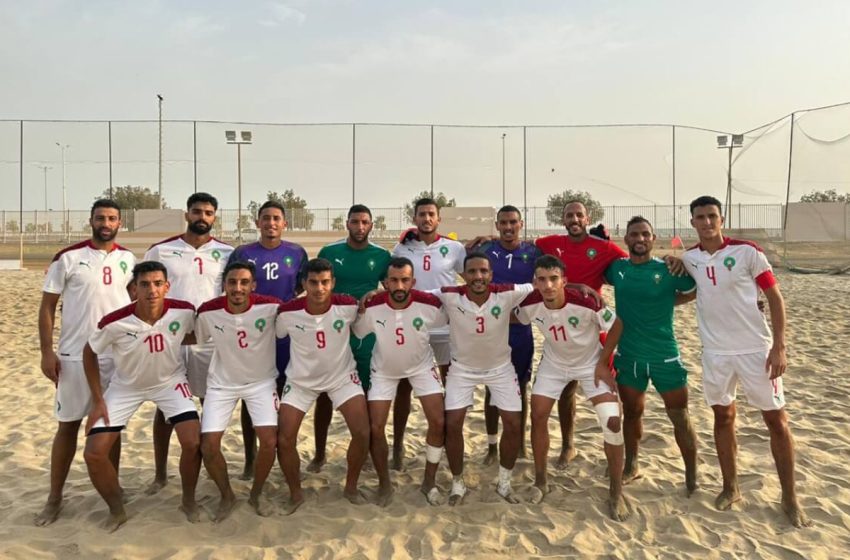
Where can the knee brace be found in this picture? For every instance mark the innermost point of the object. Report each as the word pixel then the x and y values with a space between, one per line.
pixel 606 411
pixel 433 454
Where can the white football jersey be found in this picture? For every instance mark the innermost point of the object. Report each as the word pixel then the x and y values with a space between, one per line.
pixel 435 265
pixel 571 333
pixel 479 335
pixel 92 283
pixel 244 343
pixel 401 345
pixel 146 356
pixel 728 283
pixel 194 274
pixel 319 353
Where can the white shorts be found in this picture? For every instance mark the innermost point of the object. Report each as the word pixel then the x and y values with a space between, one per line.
pixel 260 397
pixel 303 398
pixel 551 380
pixel 197 358
pixel 425 382
pixel 73 397
pixel 173 399
pixel 440 346
pixel 502 382
pixel 720 374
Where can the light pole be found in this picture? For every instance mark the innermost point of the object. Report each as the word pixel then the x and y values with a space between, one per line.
pixel 723 143
pixel 503 168
pixel 45 168
pixel 159 161
pixel 62 148
pixel 245 138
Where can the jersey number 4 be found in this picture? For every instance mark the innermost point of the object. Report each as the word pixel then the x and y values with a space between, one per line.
pixel 712 275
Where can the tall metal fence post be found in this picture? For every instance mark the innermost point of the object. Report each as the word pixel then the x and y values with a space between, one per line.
pixel 353 162
pixel 674 180
pixel 195 155
pixel 524 181
pixel 109 127
pixel 432 161
pixel 21 199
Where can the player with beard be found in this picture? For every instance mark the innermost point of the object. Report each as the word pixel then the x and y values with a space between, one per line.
pixel 194 261
pixel 92 278
pixel 358 267
pixel 645 294
pixel 401 317
pixel 279 270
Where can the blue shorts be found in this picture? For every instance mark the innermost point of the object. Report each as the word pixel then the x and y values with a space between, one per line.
pixel 522 351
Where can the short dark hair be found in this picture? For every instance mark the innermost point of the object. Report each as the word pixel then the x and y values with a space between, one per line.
pixel 400 262
pixel 705 200
pixel 240 265
pixel 509 208
pixel 318 265
pixel 549 262
pixel 104 203
pixel 202 197
pixel 639 220
pixel 145 267
pixel 359 209
pixel 475 255
pixel 425 202
pixel 271 204
pixel 574 201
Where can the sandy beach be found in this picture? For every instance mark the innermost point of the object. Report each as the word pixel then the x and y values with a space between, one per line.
pixel 571 522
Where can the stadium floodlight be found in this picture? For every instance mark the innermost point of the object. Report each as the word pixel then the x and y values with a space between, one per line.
pixel 722 140
pixel 65 228
pixel 737 140
pixel 503 168
pixel 724 143
pixel 246 138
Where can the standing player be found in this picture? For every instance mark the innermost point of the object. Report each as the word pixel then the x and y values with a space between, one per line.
pixel 92 277
pixel 401 317
pixel 645 293
pixel 512 261
pixel 240 325
pixel 320 362
pixel 146 338
pixel 479 313
pixel 279 266
pixel 194 261
pixel 570 324
pixel 737 346
pixel 436 262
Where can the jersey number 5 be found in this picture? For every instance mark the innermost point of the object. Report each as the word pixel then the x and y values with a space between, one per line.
pixel 399 336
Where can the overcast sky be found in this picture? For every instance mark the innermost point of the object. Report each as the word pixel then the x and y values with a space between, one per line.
pixel 722 65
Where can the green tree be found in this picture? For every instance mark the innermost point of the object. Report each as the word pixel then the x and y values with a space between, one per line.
pixel 830 195
pixel 338 223
pixel 556 202
pixel 380 223
pixel 440 198
pixel 135 198
pixel 297 215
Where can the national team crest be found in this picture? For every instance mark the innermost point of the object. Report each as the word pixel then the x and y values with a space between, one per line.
pixel 591 253
pixel 657 278
pixel 174 326
pixel 287 260
pixel 216 254
pixel 260 324
pixel 496 311
pixel 338 324
pixel 123 266
pixel 524 257
pixel 606 316
pixel 417 323
pixel 574 321
pixel 371 264
pixel 729 262
pixel 444 250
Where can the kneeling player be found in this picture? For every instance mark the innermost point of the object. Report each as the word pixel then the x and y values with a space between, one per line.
pixel 241 327
pixel 320 362
pixel 145 339
pixel 570 324
pixel 401 318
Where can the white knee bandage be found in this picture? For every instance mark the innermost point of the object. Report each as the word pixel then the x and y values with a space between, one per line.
pixel 606 411
pixel 433 454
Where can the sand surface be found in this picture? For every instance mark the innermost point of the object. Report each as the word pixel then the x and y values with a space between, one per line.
pixel 572 522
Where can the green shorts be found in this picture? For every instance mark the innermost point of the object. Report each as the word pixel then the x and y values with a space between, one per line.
pixel 666 375
pixel 362 350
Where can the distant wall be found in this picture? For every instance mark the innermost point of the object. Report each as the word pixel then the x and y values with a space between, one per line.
pixel 159 221
pixel 818 221
pixel 467 222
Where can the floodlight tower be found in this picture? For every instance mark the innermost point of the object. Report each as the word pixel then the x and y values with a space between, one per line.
pixel 723 143
pixel 245 138
pixel 503 168
pixel 62 148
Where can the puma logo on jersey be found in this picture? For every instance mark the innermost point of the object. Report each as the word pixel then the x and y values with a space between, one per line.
pixel 495 253
pixel 178 253
pixel 134 335
pixel 84 263
pixel 218 328
pixel 558 249
pixel 539 320
pixel 461 309
pixel 339 261
pixel 622 276
pixel 382 323
pixel 300 328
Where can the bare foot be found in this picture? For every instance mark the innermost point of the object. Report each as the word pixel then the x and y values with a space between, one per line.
pixel 506 492
pixel 316 465
pixel 49 514
pixel 726 498
pixel 492 455
pixel 114 521
pixel 795 514
pixel 397 463
pixel 566 456
pixel 292 504
pixel 691 481
pixel 618 509
pixel 631 473
pixel 537 493
pixel 458 493
pixel 193 514
pixel 225 507
pixel 247 472
pixel 261 507
pixel 385 495
pixel 357 498
pixel 155 486
pixel 432 495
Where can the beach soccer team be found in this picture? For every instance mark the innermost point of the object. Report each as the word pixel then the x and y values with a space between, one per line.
pixel 360 329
